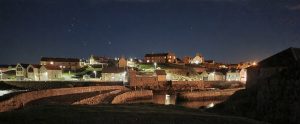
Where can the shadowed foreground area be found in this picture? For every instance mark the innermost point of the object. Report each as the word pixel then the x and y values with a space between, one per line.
pixel 275 99
pixel 116 114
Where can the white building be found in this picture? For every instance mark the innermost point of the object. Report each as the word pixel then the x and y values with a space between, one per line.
pixel 216 76
pixel 233 75
pixel 114 74
pixel 243 75
pixel 50 73
pixel 198 59
pixel 21 71
pixel 204 76
pixel 33 72
pixel 131 62
pixel 98 60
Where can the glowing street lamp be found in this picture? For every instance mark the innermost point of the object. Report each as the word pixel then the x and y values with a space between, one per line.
pixel 254 63
pixel 1 74
pixel 95 74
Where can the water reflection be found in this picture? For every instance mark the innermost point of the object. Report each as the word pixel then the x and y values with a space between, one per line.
pixel 4 92
pixel 199 104
pixel 166 99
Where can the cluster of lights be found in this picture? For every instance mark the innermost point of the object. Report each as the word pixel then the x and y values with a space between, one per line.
pixel 62 66
pixel 254 63
pixel 211 105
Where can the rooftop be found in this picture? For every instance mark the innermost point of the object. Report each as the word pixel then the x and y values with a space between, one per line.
pixel 113 70
pixel 285 58
pixel 52 67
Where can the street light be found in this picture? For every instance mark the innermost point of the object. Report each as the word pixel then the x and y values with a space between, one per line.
pixel 1 74
pixel 95 74
pixel 155 64
pixel 254 63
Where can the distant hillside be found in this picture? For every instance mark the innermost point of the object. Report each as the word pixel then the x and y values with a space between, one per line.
pixel 274 99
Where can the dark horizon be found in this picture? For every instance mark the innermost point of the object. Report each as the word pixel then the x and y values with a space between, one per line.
pixel 228 31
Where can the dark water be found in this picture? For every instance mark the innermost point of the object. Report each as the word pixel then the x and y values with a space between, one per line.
pixel 166 99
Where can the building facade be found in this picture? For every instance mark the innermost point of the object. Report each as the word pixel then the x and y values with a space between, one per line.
pixel 160 58
pixel 161 75
pixel 21 71
pixel 49 72
pixel 144 80
pixel 216 76
pixel 187 60
pixel 198 59
pixel 33 72
pixel 114 74
pixel 122 63
pixel 70 64
pixel 233 75
pixel 98 60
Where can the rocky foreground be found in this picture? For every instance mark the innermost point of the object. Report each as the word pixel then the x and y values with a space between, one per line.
pixel 117 114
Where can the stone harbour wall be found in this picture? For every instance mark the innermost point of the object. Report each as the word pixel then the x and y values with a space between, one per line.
pixel 132 95
pixel 184 85
pixel 203 95
pixel 21 100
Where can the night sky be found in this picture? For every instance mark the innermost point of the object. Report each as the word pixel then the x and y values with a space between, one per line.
pixel 223 30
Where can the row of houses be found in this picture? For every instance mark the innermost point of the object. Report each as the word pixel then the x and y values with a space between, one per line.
pixel 117 72
pixel 171 58
pixel 123 74
pixel 225 75
pixel 38 72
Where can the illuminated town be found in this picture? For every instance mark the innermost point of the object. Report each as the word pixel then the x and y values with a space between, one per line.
pixel 110 69
pixel 149 61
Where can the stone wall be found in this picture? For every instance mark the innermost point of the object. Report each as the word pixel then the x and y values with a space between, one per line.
pixel 132 95
pixel 38 85
pixel 99 99
pixel 142 81
pixel 22 99
pixel 183 85
pixel 204 95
